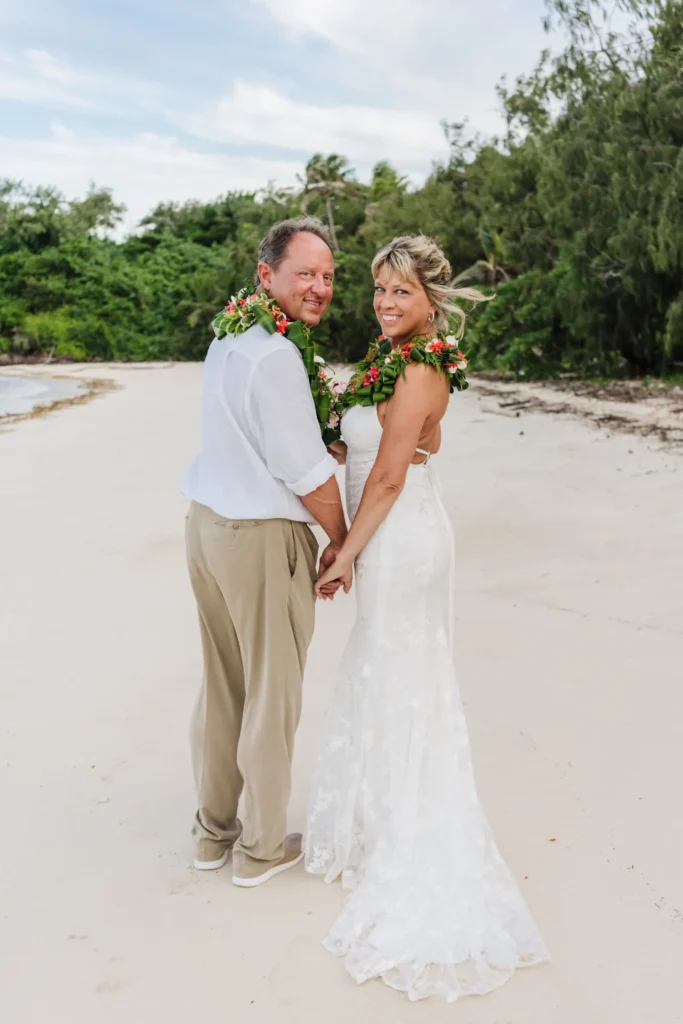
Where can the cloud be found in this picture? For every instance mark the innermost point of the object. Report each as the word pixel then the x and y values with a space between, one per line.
pixel 254 114
pixel 50 81
pixel 360 26
pixel 437 56
pixel 60 131
pixel 438 36
pixel 37 77
pixel 392 47
pixel 142 169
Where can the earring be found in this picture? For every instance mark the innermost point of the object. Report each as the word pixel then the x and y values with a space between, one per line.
pixel 430 318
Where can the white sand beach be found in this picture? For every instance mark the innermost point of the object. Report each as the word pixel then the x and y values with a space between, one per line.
pixel 570 656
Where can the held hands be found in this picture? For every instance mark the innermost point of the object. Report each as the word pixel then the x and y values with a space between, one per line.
pixel 332 574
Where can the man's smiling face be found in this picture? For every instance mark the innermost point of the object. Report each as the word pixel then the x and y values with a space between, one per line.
pixel 303 283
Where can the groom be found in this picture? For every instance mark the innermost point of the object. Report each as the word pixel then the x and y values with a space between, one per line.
pixel 262 475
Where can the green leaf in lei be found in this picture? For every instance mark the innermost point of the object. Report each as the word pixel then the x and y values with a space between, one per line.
pixel 374 379
pixel 246 309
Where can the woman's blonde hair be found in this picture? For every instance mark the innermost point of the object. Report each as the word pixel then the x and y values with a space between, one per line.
pixel 418 258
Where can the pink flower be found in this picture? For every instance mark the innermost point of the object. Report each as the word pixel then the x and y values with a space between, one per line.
pixel 339 386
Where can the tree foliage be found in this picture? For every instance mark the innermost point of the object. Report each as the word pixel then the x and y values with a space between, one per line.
pixel 574 217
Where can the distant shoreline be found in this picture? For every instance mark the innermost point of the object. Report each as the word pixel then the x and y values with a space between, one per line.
pixel 36 394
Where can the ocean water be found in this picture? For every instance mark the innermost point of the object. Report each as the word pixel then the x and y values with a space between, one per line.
pixel 23 394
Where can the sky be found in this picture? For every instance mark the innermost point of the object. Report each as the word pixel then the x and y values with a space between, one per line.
pixel 187 99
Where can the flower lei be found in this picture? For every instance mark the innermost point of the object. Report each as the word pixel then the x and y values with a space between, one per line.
pixel 246 309
pixel 375 377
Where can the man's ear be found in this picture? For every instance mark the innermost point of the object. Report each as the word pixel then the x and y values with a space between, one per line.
pixel 265 275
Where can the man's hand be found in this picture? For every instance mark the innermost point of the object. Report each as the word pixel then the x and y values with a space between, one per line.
pixel 330 588
pixel 338 450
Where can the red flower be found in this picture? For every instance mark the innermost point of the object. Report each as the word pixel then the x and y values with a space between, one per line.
pixel 243 302
pixel 437 346
pixel 371 377
pixel 281 321
pixel 230 308
pixel 406 350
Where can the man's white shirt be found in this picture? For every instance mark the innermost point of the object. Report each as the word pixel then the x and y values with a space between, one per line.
pixel 261 445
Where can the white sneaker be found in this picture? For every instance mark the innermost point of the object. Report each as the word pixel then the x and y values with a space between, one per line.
pixel 293 854
pixel 212 865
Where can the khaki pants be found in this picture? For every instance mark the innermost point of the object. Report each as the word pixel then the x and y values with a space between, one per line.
pixel 253 582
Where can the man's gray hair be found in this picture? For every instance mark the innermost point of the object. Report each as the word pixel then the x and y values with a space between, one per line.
pixel 273 247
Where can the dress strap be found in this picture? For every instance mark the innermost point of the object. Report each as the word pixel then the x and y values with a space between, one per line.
pixel 422 451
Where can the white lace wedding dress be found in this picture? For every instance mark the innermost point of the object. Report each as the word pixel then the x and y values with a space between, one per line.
pixel 394 810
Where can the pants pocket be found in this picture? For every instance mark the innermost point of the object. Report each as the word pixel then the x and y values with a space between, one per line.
pixel 292 549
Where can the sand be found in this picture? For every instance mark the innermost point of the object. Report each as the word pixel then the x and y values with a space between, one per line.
pixel 647 408
pixel 570 655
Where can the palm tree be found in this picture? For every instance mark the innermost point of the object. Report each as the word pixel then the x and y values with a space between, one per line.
pixel 327 176
pixel 489 270
pixel 386 182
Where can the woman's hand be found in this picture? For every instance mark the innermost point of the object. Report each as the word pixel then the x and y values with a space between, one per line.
pixel 338 450
pixel 340 573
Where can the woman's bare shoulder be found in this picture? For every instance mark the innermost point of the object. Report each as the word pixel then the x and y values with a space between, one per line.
pixel 422 383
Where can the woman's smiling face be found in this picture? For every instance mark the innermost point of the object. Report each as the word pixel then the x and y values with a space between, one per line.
pixel 402 307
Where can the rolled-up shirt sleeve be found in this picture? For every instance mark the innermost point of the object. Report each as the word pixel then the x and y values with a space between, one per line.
pixel 285 423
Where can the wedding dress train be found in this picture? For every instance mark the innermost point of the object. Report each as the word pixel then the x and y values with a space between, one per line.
pixel 394 810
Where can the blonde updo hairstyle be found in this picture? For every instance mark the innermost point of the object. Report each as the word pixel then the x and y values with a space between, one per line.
pixel 419 259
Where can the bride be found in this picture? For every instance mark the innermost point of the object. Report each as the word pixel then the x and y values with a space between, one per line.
pixel 433 909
